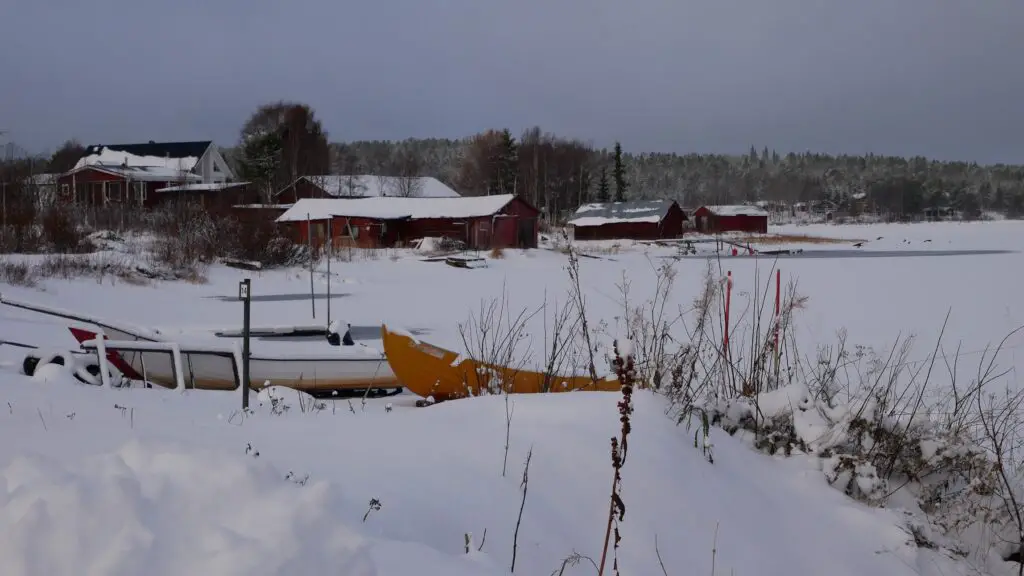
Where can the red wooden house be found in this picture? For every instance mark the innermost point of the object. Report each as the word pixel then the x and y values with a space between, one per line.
pixel 634 220
pixel 503 221
pixel 145 174
pixel 715 219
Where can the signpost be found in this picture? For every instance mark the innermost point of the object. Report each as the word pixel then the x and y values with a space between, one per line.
pixel 244 296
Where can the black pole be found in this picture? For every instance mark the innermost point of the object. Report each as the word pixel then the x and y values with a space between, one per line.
pixel 243 293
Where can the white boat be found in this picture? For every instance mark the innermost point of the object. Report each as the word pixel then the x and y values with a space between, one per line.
pixel 153 357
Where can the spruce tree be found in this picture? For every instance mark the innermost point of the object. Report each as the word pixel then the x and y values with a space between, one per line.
pixel 505 165
pixel 602 186
pixel 619 175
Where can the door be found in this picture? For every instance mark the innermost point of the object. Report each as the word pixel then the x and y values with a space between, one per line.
pixel 527 233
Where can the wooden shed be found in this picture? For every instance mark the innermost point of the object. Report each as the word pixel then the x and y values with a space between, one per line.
pixel 482 222
pixel 715 219
pixel 634 220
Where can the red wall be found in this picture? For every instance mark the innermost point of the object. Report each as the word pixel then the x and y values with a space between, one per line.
pixel 616 230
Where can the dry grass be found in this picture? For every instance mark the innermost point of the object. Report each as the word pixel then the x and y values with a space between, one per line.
pixel 68 267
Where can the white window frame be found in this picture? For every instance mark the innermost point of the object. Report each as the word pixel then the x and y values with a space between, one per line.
pixel 139 191
pixel 107 192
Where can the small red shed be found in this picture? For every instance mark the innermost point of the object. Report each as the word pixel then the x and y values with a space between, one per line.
pixel 715 219
pixel 634 220
pixel 501 221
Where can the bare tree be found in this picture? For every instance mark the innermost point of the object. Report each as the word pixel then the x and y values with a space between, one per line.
pixel 405 186
pixel 352 185
pixel 406 171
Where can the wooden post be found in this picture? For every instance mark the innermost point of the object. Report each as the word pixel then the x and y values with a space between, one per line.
pixel 728 299
pixel 244 296
pixel 330 252
pixel 309 242
pixel 778 315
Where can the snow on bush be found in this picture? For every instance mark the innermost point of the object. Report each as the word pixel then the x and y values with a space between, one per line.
pixel 881 431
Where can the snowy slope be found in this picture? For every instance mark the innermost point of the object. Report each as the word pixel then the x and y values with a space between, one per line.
pixel 106 482
pixel 166 486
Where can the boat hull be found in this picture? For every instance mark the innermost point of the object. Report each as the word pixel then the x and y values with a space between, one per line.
pixel 215 368
pixel 430 371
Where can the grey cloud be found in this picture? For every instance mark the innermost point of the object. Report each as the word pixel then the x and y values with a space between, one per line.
pixel 935 77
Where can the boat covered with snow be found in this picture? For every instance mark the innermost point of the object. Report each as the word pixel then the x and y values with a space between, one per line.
pixel 167 360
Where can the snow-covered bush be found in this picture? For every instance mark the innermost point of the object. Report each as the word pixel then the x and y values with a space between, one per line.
pixel 882 429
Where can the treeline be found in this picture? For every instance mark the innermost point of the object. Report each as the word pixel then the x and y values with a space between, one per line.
pixel 284 140
pixel 560 173
pixel 557 173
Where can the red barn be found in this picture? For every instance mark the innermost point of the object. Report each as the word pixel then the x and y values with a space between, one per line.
pixel 635 220
pixel 502 221
pixel 715 219
pixel 131 174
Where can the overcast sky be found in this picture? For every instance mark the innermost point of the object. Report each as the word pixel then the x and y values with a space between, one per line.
pixel 941 78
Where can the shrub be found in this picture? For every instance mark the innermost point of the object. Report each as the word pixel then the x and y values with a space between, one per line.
pixel 60 231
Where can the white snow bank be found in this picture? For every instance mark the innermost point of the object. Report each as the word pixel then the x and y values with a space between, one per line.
pixel 187 493
pixel 161 509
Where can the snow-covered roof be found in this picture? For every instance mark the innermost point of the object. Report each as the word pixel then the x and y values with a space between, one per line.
pixel 390 208
pixel 167 155
pixel 143 173
pixel 737 210
pixel 596 214
pixel 202 187
pixel 367 186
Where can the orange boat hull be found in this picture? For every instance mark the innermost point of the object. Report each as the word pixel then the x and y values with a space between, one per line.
pixel 429 371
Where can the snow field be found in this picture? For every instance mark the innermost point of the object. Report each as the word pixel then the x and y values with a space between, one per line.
pixel 176 488
pixel 437 471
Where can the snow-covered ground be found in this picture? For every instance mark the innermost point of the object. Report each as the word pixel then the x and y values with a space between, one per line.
pixel 130 481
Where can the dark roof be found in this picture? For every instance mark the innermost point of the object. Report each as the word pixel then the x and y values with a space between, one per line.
pixel 596 214
pixel 164 149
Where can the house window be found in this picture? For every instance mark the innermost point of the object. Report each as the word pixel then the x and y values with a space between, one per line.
pixel 139 189
pixel 65 192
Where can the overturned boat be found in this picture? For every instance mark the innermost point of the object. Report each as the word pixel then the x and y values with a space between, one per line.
pixel 433 372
